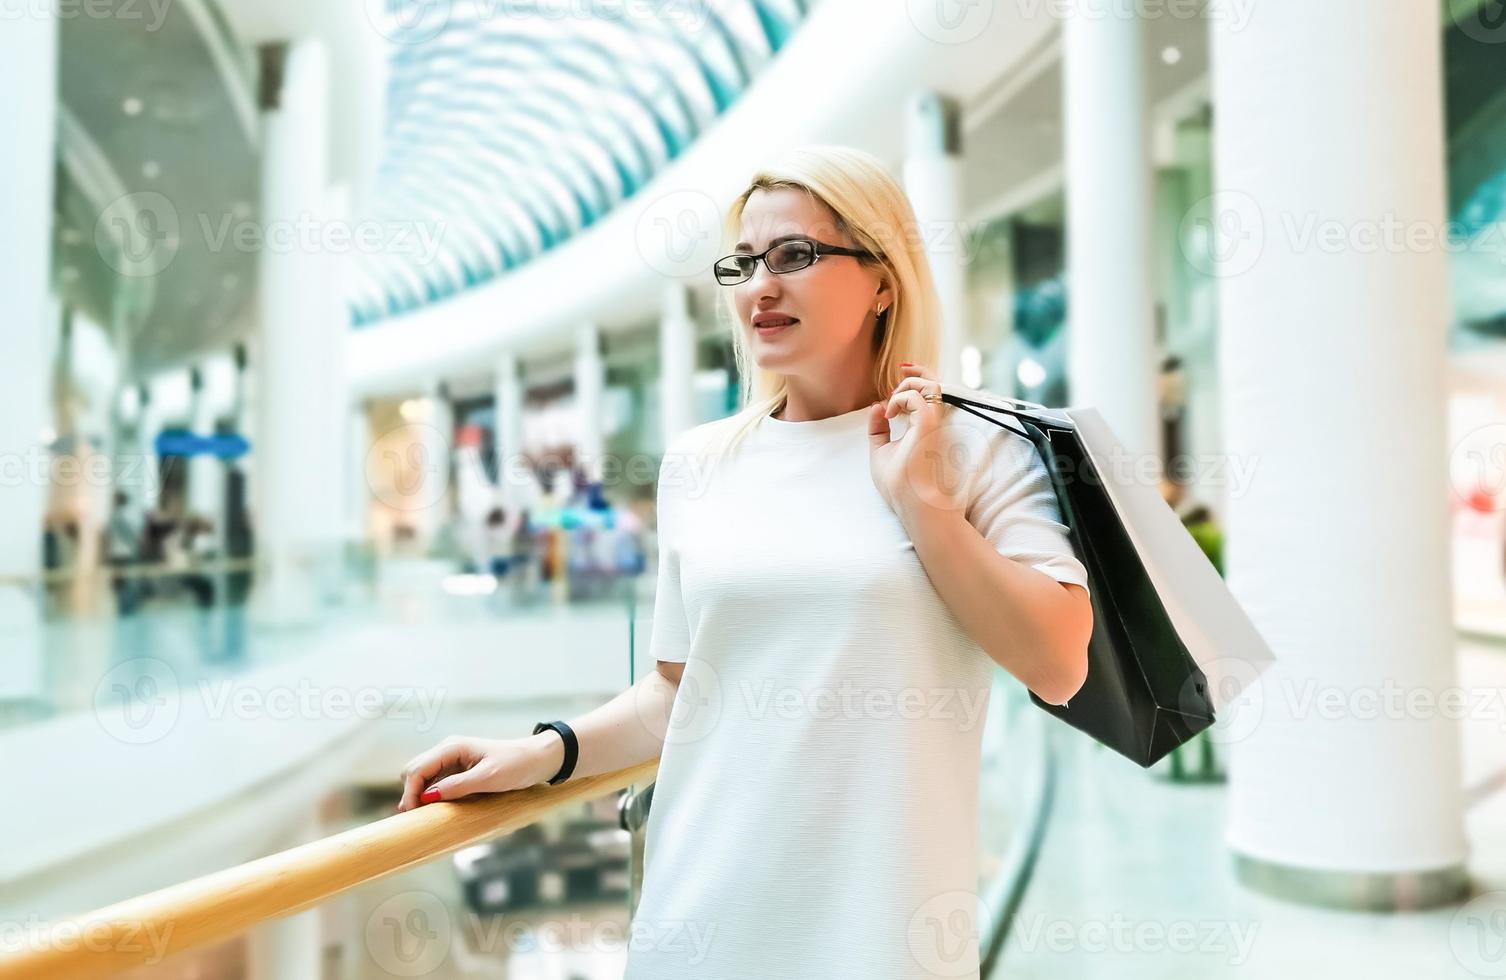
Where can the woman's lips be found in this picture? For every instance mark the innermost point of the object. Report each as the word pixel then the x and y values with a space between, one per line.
pixel 774 326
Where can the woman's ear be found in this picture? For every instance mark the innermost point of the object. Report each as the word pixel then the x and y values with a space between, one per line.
pixel 883 298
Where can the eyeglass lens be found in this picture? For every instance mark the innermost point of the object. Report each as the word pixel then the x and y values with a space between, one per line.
pixel 785 257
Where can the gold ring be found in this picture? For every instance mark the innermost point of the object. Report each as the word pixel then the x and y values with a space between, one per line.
pixel 933 397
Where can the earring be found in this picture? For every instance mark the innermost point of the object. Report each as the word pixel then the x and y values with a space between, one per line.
pixel 879 311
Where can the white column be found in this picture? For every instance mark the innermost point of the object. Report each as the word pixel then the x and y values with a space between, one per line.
pixel 358 499
pixel 148 473
pixel 1111 362
pixel 677 348
pixel 590 378
pixel 933 183
pixel 433 435
pixel 296 476
pixel 508 434
pixel 330 399
pixel 1333 366
pixel 28 63
pixel 292 947
pixel 206 473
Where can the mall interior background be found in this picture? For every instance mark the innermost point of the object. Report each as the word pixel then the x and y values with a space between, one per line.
pixel 343 340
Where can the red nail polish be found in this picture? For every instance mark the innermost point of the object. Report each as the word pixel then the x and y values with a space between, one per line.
pixel 905 364
pixel 429 796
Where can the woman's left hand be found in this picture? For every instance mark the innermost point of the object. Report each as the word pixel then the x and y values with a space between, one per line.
pixel 914 473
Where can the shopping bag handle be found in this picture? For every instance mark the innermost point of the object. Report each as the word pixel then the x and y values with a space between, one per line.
pixel 1034 418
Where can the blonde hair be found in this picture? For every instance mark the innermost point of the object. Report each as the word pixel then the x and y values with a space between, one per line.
pixel 871 208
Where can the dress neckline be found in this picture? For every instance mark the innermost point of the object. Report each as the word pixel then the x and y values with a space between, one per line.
pixel 783 430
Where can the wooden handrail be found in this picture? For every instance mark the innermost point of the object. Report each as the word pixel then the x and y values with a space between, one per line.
pixel 225 903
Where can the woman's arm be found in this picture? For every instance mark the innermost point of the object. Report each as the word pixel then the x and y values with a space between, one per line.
pixel 1026 621
pixel 623 732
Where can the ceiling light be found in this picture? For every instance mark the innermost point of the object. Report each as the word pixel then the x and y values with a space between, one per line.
pixel 1171 54
pixel 151 170
pixel 1030 372
pixel 972 366
pixel 132 106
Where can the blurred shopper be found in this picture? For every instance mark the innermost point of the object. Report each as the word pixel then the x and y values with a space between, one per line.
pixel 122 550
pixel 500 539
pixel 824 562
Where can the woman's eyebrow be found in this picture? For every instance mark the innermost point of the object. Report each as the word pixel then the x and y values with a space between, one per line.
pixel 745 247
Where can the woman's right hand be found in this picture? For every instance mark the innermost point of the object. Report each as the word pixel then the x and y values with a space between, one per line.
pixel 460 766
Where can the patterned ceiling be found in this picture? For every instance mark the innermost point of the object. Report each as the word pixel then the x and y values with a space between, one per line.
pixel 514 124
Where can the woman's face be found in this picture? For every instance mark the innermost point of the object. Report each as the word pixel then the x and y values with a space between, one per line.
pixel 832 301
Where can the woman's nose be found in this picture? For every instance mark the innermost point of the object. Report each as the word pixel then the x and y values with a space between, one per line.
pixel 762 283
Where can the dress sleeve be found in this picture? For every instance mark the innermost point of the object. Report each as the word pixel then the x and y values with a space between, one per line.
pixel 1015 508
pixel 669 638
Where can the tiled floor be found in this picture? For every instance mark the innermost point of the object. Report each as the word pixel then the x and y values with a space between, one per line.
pixel 1135 881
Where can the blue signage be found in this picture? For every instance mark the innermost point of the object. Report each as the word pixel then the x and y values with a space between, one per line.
pixel 180 442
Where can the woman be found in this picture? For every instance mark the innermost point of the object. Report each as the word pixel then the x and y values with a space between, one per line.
pixel 832 600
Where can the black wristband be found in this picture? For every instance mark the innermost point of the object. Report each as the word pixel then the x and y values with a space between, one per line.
pixel 572 748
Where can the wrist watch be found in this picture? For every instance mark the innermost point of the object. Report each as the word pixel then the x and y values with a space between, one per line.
pixel 572 748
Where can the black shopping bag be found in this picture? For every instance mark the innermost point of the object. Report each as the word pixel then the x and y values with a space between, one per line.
pixel 1168 636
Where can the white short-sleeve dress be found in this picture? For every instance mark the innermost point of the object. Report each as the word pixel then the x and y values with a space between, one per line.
pixel 815 812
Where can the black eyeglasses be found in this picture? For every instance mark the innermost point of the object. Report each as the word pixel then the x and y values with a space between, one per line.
pixel 788 256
